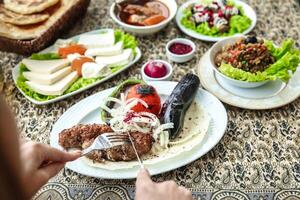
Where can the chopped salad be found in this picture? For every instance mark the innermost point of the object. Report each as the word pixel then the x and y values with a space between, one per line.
pixel 253 60
pixel 215 18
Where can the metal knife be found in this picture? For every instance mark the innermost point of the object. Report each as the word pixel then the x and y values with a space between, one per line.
pixel 136 153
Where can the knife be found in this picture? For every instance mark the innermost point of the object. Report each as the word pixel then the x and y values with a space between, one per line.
pixel 136 153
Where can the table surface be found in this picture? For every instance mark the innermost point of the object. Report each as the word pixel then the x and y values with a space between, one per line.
pixel 258 157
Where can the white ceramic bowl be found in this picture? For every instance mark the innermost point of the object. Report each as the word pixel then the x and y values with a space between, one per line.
pixel 217 47
pixel 167 77
pixel 146 30
pixel 184 57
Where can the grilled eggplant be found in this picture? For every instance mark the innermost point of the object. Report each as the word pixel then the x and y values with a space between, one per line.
pixel 175 107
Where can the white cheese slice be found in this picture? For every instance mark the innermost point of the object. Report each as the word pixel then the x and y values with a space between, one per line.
pixel 97 40
pixel 57 88
pixel 73 56
pixel 47 79
pixel 106 51
pixel 122 59
pixel 94 70
pixel 45 66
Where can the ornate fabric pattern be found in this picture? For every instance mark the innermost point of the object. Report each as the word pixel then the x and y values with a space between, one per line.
pixel 258 157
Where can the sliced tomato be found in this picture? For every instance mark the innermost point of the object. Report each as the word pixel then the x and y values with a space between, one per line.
pixel 75 48
pixel 78 62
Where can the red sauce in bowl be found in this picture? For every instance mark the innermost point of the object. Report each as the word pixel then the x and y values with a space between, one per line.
pixel 180 48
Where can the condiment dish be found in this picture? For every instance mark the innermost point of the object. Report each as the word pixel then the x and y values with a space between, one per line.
pixel 167 77
pixel 180 58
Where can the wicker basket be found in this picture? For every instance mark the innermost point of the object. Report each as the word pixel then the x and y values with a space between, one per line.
pixel 27 47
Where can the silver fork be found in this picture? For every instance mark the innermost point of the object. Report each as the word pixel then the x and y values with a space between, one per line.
pixel 106 141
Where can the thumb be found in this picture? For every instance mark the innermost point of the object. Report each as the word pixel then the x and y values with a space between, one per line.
pixel 143 177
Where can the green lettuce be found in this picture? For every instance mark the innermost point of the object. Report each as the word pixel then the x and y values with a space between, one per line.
pixel 287 61
pixel 241 75
pixel 237 24
pixel 45 56
pixel 129 41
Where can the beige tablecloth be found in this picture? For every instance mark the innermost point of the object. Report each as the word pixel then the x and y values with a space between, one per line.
pixel 258 157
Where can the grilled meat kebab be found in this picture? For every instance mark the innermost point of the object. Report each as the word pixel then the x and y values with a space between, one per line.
pixel 82 136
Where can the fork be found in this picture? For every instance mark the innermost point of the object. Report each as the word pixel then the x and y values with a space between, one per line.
pixel 106 141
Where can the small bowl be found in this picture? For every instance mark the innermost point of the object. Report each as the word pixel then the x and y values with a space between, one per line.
pixel 216 48
pixel 146 30
pixel 184 57
pixel 167 77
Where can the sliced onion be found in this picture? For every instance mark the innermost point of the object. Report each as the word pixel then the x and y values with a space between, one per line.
pixel 139 101
pixel 143 122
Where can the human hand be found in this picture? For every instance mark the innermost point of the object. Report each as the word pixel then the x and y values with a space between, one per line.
pixel 40 163
pixel 146 189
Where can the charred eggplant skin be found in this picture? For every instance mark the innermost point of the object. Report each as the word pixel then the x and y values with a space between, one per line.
pixel 176 105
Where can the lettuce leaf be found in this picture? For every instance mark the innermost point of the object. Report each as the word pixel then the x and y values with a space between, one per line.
pixel 241 75
pixel 129 41
pixel 287 61
pixel 278 52
pixel 237 24
pixel 80 83
pixel 45 56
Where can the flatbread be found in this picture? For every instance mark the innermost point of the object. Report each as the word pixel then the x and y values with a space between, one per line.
pixel 20 19
pixel 33 31
pixel 196 123
pixel 28 6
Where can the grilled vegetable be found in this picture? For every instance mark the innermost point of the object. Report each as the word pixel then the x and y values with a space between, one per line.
pixel 175 107
pixel 148 94
pixel 116 93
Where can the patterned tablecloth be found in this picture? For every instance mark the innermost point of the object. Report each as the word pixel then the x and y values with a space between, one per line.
pixel 258 157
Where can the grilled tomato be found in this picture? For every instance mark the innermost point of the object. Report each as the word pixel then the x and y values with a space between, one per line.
pixel 148 94
pixel 75 48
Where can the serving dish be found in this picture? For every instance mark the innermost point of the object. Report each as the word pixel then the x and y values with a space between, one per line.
pixel 250 62
pixel 249 12
pixel 16 71
pixel 87 112
pixel 180 58
pixel 271 95
pixel 167 77
pixel 146 30
pixel 216 48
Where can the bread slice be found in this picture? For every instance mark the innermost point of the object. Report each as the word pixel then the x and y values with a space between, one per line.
pixel 20 19
pixel 28 6
pixel 33 38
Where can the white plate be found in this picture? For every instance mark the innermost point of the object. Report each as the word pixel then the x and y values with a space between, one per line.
pixel 16 72
pixel 247 9
pixel 271 95
pixel 88 111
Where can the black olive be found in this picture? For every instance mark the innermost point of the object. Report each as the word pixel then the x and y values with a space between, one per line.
pixel 251 39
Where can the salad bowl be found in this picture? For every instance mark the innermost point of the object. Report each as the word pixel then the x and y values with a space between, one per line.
pixel 251 62
pixel 216 48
